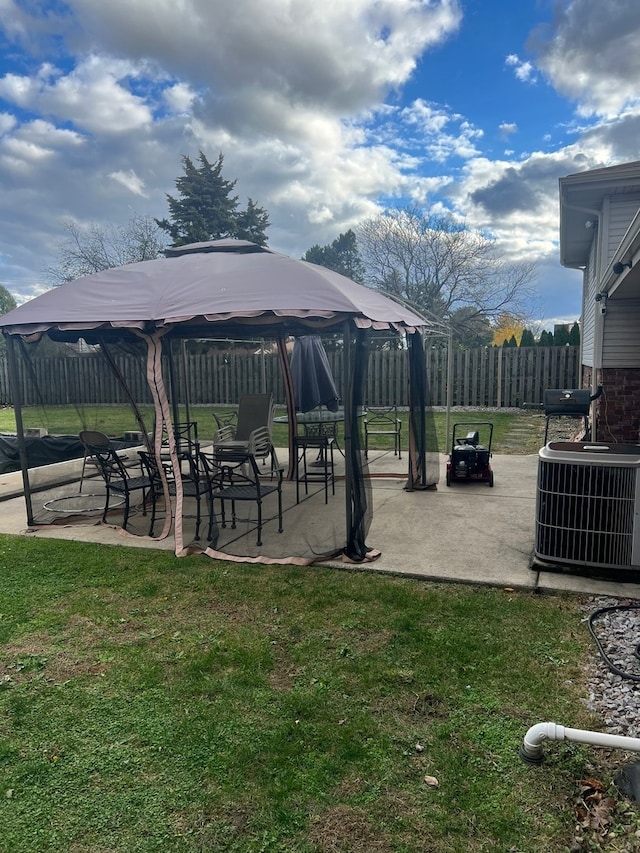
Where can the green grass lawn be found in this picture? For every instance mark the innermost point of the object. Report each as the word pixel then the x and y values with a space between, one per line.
pixel 149 703
pixel 114 420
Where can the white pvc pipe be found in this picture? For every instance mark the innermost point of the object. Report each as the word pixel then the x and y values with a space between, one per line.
pixel 531 749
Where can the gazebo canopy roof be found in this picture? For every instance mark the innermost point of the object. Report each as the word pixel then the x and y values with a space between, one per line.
pixel 208 288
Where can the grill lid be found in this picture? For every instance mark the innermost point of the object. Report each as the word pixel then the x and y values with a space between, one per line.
pixel 566 402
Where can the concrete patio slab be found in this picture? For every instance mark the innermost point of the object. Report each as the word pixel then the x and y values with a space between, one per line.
pixel 465 533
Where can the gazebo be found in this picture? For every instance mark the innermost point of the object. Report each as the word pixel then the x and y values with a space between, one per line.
pixel 233 289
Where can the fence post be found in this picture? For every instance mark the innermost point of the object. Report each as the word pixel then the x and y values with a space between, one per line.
pixel 449 382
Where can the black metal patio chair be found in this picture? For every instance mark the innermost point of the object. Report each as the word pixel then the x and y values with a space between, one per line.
pixel 118 479
pixel 194 484
pixel 320 471
pixel 383 420
pixel 91 438
pixel 186 438
pixel 233 476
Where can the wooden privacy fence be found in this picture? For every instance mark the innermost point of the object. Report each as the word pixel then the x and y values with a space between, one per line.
pixel 486 376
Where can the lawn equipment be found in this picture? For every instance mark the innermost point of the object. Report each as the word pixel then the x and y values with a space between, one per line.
pixel 469 459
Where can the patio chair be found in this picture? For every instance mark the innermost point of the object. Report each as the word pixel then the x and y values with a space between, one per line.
pixel 225 435
pixel 255 411
pixel 229 418
pixel 117 478
pixel 322 469
pixel 186 439
pixel 260 446
pixel 232 476
pixel 95 439
pixel 194 485
pixel 382 420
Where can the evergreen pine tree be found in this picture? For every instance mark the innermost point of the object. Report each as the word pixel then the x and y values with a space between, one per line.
pixel 341 255
pixel 205 208
pixel 252 223
pixel 527 339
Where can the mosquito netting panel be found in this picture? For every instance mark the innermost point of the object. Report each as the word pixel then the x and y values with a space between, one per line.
pixel 61 390
pixel 173 398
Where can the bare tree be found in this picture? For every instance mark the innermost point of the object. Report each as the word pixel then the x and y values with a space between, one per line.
pixel 440 266
pixel 98 247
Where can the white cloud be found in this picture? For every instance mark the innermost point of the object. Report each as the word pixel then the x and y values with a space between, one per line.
pixel 524 71
pixel 130 181
pixel 441 133
pixel 45 133
pixel 590 54
pixel 13 19
pixel 336 53
pixel 20 150
pixel 282 89
pixel 179 97
pixel 7 122
pixel 91 95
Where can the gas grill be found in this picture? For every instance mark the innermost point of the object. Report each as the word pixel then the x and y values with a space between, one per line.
pixel 574 403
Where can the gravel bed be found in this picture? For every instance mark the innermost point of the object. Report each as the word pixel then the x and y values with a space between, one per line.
pixel 615 695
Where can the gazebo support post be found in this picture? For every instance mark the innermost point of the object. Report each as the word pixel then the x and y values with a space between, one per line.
pixel 285 369
pixel 173 383
pixel 347 370
pixel 16 393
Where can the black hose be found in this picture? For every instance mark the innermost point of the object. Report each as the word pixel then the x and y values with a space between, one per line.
pixel 629 676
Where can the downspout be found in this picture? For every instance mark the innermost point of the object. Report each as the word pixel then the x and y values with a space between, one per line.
pixel 531 749
pixel 600 311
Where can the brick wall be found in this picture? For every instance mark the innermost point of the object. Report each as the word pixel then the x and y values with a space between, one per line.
pixel 618 412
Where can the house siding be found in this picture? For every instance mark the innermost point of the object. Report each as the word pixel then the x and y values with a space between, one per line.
pixel 615 192
pixel 590 288
pixel 621 324
pixel 620 214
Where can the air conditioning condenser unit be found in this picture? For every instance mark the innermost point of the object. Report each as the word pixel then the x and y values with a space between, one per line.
pixel 588 505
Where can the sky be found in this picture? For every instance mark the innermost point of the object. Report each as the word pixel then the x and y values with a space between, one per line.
pixel 326 113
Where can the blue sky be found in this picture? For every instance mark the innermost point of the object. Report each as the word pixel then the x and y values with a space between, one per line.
pixel 325 113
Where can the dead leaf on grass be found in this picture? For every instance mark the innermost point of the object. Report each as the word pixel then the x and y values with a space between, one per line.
pixel 593 808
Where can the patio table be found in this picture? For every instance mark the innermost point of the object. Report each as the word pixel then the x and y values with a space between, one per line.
pixel 313 422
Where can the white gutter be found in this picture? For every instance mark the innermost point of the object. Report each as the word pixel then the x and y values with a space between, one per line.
pixel 531 749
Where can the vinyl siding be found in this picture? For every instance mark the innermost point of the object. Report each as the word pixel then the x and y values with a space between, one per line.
pixel 588 308
pixel 621 212
pixel 622 333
